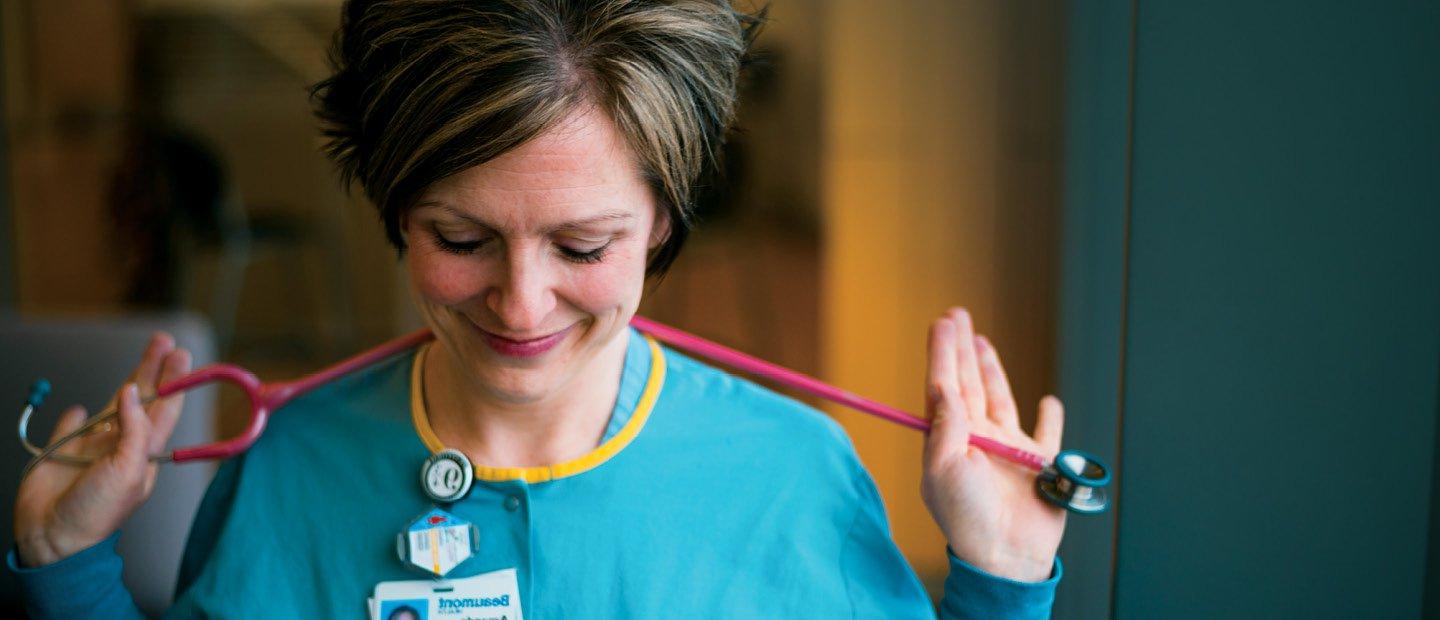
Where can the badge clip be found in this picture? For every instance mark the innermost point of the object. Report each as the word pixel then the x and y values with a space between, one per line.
pixel 437 542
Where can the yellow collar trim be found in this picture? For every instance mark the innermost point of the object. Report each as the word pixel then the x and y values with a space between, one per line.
pixel 542 473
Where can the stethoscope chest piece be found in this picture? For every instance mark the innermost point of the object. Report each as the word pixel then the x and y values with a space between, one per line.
pixel 447 476
pixel 1076 482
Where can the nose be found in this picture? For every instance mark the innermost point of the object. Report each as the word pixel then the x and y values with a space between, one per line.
pixel 524 296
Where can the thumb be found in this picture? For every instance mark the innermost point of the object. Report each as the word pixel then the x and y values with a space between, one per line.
pixel 1049 424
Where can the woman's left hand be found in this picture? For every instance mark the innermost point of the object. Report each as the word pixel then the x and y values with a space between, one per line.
pixel 986 506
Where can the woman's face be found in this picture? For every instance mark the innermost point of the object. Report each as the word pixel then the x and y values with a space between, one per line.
pixel 547 241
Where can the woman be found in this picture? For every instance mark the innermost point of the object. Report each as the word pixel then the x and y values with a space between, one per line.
pixel 533 162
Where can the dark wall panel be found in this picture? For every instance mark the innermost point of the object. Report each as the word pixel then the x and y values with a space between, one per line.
pixel 1283 327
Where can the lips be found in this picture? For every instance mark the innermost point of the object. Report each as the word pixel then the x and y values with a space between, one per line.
pixel 529 347
pixel 520 340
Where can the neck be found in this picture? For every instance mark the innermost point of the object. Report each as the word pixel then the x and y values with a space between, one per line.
pixel 563 425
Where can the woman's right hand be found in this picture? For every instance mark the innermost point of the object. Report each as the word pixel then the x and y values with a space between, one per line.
pixel 62 509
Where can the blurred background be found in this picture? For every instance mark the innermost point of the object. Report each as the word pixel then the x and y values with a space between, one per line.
pixel 1211 230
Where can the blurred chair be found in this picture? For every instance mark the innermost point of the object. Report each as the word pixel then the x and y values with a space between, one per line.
pixel 87 360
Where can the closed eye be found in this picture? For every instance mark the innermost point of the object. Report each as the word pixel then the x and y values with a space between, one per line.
pixel 458 247
pixel 586 256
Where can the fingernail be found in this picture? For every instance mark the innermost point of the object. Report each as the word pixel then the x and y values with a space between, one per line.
pixel 982 343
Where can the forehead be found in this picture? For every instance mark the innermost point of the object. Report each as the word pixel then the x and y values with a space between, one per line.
pixel 579 167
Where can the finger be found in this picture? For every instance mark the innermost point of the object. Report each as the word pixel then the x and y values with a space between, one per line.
pixel 132 448
pixel 100 439
pixel 998 396
pixel 144 372
pixel 148 370
pixel 1050 424
pixel 165 412
pixel 971 386
pixel 70 420
pixel 948 438
pixel 81 445
pixel 942 381
pixel 949 420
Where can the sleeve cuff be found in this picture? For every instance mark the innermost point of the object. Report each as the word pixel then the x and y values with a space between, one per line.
pixel 86 584
pixel 86 558
pixel 974 593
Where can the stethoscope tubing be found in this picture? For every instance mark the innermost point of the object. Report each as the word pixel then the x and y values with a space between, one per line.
pixel 51 451
pixel 810 385
pixel 266 398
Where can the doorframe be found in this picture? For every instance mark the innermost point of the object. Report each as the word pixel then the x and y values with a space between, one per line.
pixel 1099 129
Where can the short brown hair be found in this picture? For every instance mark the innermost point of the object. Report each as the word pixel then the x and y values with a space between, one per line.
pixel 424 89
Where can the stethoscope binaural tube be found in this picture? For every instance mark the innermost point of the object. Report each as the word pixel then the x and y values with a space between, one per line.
pixel 264 398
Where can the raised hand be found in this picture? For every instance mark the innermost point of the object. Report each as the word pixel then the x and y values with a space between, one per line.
pixel 987 507
pixel 62 509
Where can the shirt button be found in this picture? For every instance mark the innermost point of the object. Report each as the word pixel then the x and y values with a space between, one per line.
pixel 512 503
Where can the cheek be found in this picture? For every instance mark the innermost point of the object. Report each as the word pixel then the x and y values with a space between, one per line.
pixel 618 281
pixel 444 279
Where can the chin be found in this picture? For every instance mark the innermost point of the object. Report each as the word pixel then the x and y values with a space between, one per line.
pixel 508 385
pixel 515 384
pixel 521 393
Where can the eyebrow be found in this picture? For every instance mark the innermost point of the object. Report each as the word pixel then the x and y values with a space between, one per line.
pixel 606 216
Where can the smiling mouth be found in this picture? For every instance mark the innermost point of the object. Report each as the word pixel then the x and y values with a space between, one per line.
pixel 527 347
pixel 519 340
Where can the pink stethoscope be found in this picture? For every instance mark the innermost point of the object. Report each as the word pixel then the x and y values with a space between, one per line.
pixel 1074 480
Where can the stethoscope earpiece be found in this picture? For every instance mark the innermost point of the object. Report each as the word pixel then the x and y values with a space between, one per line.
pixel 1075 481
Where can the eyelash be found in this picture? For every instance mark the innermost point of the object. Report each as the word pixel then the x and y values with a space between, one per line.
pixel 593 256
pixel 590 257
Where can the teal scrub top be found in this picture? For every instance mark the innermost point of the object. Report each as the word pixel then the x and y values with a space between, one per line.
pixel 708 496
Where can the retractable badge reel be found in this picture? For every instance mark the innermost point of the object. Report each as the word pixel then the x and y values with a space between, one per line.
pixel 438 541
pixel 447 476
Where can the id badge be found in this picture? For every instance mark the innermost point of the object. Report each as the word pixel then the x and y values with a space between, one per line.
pixel 491 596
